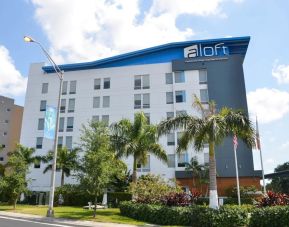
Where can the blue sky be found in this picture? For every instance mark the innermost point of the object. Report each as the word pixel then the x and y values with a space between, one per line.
pixel 76 31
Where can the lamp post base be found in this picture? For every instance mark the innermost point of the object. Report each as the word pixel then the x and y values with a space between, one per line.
pixel 50 213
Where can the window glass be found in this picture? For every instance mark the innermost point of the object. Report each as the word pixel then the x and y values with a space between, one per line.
pixel 105 119
pixel 137 82
pixel 204 96
pixel 106 83
pixel 40 123
pixel 137 101
pixel 64 87
pixel 180 96
pixel 170 139
pixel 44 88
pixel 169 98
pixel 61 124
pixel 60 141
pixel 36 164
pixel 71 105
pixel 43 105
pixel 72 89
pixel 182 159
pixel 96 102
pixel 169 78
pixel 39 141
pixel 181 112
pixel 95 118
pixel 146 81
pixel 69 127
pixel 97 84
pixel 62 105
pixel 68 142
pixel 170 115
pixel 144 168
pixel 105 101
pixel 1 159
pixel 146 100
pixel 179 77
pixel 202 76
pixel 206 158
pixel 171 161
pixel 179 135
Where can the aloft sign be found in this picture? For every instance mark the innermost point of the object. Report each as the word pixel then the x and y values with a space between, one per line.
pixel 200 50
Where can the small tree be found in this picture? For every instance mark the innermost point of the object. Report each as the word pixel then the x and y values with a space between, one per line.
pixel 99 164
pixel 14 181
pixel 280 184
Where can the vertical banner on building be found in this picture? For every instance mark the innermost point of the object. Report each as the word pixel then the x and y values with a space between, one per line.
pixel 50 122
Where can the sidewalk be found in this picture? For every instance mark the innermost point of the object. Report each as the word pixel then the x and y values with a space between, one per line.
pixel 63 221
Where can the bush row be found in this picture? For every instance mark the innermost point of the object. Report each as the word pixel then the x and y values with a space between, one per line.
pixel 197 215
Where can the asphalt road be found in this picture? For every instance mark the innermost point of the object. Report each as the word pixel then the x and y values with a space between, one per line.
pixel 19 222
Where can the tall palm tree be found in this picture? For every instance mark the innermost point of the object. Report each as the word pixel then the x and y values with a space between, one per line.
pixel 26 153
pixel 212 128
pixel 136 139
pixel 67 161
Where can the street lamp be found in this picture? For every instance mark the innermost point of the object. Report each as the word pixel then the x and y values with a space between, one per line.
pixel 50 211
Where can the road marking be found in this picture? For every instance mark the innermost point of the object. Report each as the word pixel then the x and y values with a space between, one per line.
pixel 36 222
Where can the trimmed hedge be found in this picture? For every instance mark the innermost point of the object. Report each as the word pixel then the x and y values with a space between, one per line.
pixel 276 216
pixel 226 216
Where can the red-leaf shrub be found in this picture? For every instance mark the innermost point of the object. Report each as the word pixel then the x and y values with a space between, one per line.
pixel 274 199
pixel 177 199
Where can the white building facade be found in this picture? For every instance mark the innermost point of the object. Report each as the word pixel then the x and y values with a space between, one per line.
pixel 115 88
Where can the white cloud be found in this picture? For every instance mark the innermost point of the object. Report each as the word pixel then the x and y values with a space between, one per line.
pixel 285 145
pixel 90 29
pixel 281 73
pixel 268 104
pixel 12 83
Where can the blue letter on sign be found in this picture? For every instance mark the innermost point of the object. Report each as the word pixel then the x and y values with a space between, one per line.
pixel 50 122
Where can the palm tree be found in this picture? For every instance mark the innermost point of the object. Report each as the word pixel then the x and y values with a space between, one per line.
pixel 212 129
pixel 136 139
pixel 67 161
pixel 26 153
pixel 195 167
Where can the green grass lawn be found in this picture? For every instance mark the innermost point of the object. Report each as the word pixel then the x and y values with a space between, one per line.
pixel 102 215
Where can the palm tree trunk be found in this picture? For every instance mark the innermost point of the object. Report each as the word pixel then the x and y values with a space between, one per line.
pixel 134 176
pixel 213 177
pixel 62 178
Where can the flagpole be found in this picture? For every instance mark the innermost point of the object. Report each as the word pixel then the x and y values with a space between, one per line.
pixel 235 141
pixel 260 150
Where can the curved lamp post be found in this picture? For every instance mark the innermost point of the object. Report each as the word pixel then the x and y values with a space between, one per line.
pixel 50 211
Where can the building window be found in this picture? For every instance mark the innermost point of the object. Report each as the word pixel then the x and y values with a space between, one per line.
pixel 39 141
pixel 61 124
pixel 44 88
pixel 106 83
pixel 64 87
pixel 202 76
pixel 170 115
pixel 1 159
pixel 206 158
pixel 40 124
pixel 96 102
pixel 69 127
pixel 182 159
pixel 105 119
pixel 60 142
pixel 8 109
pixel 169 97
pixel 105 101
pixel 181 113
pixel 146 100
pixel 71 105
pixel 137 101
pixel 36 164
pixel 144 168
pixel 171 161
pixel 43 105
pixel 180 96
pixel 68 142
pixel 148 117
pixel 72 89
pixel 97 84
pixel 3 146
pixel 179 77
pixel 62 105
pixel 170 139
pixel 179 135
pixel 141 82
pixel 4 133
pixel 204 96
pixel 95 118
pixel 6 121
pixel 169 78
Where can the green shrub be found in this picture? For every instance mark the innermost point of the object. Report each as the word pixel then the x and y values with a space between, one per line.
pixel 226 216
pixel 276 216
pixel 114 198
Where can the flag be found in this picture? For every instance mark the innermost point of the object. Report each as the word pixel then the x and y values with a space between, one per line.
pixel 50 122
pixel 258 144
pixel 235 141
